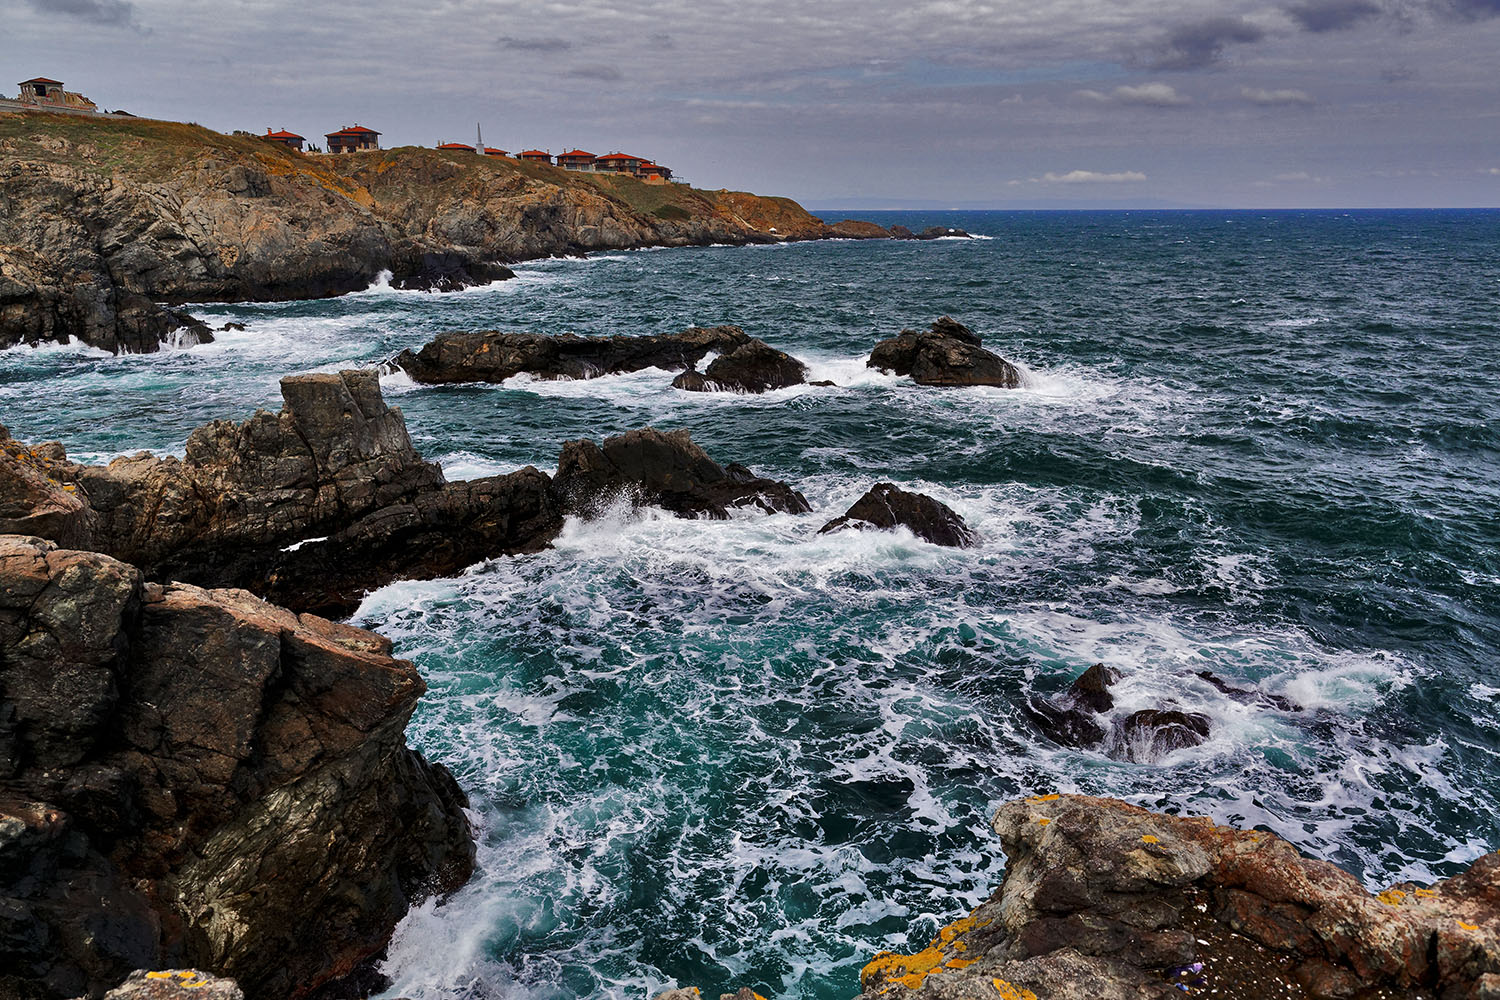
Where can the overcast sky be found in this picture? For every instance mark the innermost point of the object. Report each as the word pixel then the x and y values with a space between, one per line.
pixel 1297 103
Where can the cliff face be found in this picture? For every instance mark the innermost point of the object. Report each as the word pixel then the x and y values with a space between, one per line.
pixel 101 219
pixel 192 776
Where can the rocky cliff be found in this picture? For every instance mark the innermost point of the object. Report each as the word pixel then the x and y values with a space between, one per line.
pixel 103 219
pixel 195 777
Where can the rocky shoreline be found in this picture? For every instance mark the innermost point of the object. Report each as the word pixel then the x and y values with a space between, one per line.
pixel 107 227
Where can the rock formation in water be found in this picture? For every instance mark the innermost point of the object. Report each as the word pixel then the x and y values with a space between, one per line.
pixel 103 220
pixel 194 777
pixel 1076 718
pixel 492 356
pixel 886 506
pixel 1106 901
pixel 664 469
pixel 753 367
pixel 948 354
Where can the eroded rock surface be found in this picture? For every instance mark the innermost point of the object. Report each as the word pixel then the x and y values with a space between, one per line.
pixel 752 367
pixel 194 777
pixel 664 469
pixel 1106 901
pixel 947 354
pixel 886 506
pixel 492 356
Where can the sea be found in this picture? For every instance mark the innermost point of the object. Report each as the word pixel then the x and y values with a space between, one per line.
pixel 741 753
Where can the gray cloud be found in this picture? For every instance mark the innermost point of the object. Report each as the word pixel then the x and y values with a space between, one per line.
pixel 1470 10
pixel 1153 95
pixel 1332 15
pixel 111 12
pixel 1202 43
pixel 1258 95
pixel 604 73
pixel 535 44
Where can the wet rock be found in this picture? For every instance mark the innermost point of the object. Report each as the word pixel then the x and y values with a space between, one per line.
pixel 948 354
pixel 1152 733
pixel 232 326
pixel 194 777
pixel 942 232
pixel 1249 695
pixel 753 367
pixel 1072 719
pixel 492 356
pixel 450 272
pixel 667 470
pixel 887 506
pixel 902 233
pixel 1101 899
pixel 175 984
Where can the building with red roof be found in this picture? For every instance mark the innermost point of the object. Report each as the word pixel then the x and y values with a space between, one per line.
pixel 618 163
pixel 352 139
pixel 536 156
pixel 457 147
pixel 289 139
pixel 576 159
pixel 653 173
pixel 42 93
pixel 492 151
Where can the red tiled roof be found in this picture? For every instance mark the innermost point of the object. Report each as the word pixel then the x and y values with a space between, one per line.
pixel 43 79
pixel 353 130
pixel 457 145
pixel 621 156
pixel 283 134
pixel 492 151
pixel 576 154
pixel 537 152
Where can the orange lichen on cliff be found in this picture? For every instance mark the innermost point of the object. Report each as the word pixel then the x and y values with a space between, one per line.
pixel 910 970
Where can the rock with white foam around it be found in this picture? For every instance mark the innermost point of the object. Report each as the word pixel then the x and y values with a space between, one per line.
pixel 887 506
pixel 947 354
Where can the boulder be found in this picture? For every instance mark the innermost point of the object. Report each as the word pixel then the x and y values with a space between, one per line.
pixel 449 272
pixel 1152 733
pixel 856 229
pixel 1102 899
pixel 947 354
pixel 492 356
pixel 887 506
pixel 941 232
pixel 193 777
pixel 753 367
pixel 667 470
pixel 1073 718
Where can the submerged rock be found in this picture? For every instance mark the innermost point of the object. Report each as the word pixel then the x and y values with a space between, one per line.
pixel 492 356
pixel 1152 733
pixel 1105 901
pixel 753 367
pixel 887 506
pixel 665 469
pixel 948 354
pixel 194 777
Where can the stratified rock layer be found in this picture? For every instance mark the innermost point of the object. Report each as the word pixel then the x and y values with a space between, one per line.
pixel 1106 901
pixel 492 356
pixel 948 354
pixel 195 777
pixel 887 506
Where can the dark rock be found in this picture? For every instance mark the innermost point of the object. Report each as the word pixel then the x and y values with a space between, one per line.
pixel 949 354
pixel 824 383
pixel 1072 718
pixel 1151 733
pixel 175 984
pixel 492 356
pixel 1249 695
pixel 901 233
pixel 198 778
pixel 753 367
pixel 886 506
pixel 856 229
pixel 231 326
pixel 450 272
pixel 1105 901
pixel 666 470
pixel 941 232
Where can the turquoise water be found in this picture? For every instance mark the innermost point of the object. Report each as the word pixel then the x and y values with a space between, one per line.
pixel 1264 444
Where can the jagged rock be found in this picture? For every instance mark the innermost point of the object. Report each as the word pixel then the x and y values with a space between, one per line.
pixel 1072 719
pixel 492 356
pixel 949 354
pixel 194 777
pixel 753 367
pixel 886 506
pixel 1249 695
pixel 450 272
pixel 1152 733
pixel 175 984
pixel 1105 901
pixel 857 229
pixel 227 327
pixel 34 500
pixel 666 470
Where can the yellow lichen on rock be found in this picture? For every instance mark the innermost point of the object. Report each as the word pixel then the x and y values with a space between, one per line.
pixel 1392 897
pixel 1009 991
pixel 911 970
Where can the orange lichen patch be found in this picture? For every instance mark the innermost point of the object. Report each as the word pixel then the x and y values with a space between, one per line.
pixel 910 970
pixel 1465 925
pixel 963 926
pixel 1150 838
pixel 959 963
pixel 1392 897
pixel 1424 894
pixel 1043 821
pixel 1009 991
pixel 1044 798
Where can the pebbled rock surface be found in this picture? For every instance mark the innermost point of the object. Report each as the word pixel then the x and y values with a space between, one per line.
pixel 886 506
pixel 752 367
pixel 1106 901
pixel 648 466
pixel 947 354
pixel 492 356
pixel 194 777
pixel 107 224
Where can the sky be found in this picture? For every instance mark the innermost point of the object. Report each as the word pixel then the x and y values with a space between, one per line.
pixel 846 103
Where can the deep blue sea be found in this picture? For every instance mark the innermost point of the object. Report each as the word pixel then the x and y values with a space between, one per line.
pixel 1265 444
